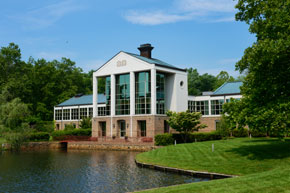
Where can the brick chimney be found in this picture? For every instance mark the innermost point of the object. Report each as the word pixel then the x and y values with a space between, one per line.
pixel 145 50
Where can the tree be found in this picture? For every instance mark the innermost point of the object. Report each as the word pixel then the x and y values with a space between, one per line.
pixel 266 87
pixel 185 122
pixel 199 83
pixel 221 78
pixel 13 114
pixel 86 123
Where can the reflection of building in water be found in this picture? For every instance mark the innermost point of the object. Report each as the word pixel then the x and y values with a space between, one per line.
pixel 138 91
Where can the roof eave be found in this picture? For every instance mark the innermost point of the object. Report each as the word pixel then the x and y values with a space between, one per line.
pixel 174 68
pixel 226 94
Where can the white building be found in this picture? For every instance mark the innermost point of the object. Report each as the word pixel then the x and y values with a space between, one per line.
pixel 139 90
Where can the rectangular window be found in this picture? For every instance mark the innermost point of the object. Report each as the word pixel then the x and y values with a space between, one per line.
pixel 142 126
pixel 101 111
pixel 216 106
pixel 74 114
pixel 143 93
pixel 83 113
pixel 123 94
pixel 166 126
pixel 199 106
pixel 90 112
pixel 160 93
pixel 66 114
pixel 58 114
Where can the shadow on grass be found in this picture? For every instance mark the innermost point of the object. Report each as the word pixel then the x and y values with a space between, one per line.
pixel 272 149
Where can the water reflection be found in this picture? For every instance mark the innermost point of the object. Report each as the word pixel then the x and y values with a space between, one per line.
pixel 80 171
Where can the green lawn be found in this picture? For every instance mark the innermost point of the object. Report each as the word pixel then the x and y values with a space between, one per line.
pixel 262 164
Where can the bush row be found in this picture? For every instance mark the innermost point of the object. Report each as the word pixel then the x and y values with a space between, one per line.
pixel 74 132
pixel 39 136
pixel 168 139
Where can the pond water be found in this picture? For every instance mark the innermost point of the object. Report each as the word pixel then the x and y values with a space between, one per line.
pixel 80 171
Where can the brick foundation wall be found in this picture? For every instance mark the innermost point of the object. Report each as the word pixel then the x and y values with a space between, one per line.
pixel 154 126
pixel 210 122
pixel 63 123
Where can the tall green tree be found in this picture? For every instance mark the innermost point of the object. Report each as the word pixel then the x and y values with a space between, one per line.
pixel 222 78
pixel 199 83
pixel 39 83
pixel 267 64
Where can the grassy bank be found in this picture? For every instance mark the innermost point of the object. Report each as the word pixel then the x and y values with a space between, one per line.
pixel 263 164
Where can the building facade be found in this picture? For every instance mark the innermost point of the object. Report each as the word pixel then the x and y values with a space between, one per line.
pixel 139 90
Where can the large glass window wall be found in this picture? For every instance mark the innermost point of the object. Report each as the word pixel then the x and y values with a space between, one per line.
pixel 216 106
pixel 123 94
pixel 108 95
pixel 142 93
pixel 199 106
pixel 160 93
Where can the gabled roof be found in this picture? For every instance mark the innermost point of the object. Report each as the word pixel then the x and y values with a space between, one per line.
pixel 229 88
pixel 83 100
pixel 155 61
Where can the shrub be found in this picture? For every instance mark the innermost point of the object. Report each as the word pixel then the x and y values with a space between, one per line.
pixel 15 139
pixel 205 136
pixel 197 137
pixel 185 122
pixel 39 136
pixel 164 139
pixel 256 133
pixel 68 127
pixel 86 123
pixel 223 127
pixel 44 126
pixel 240 132
pixel 74 132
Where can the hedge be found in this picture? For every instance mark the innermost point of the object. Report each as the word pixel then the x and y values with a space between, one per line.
pixel 164 139
pixel 240 132
pixel 192 137
pixel 168 139
pixel 76 132
pixel 39 136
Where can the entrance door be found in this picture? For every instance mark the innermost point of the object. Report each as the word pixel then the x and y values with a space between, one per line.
pixel 122 128
pixel 103 128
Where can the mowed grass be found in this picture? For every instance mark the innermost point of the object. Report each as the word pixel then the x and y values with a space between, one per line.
pixel 262 164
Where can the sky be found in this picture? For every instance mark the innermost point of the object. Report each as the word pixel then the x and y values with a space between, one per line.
pixel 201 34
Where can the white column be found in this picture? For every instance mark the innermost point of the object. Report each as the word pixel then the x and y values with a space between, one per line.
pixel 113 94
pixel 132 93
pixel 95 96
pixel 132 100
pixel 113 100
pixel 209 107
pixel 153 91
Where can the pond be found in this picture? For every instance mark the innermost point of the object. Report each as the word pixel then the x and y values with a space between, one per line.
pixel 80 171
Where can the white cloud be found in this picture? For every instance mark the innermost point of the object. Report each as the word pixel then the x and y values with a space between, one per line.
pixel 154 18
pixel 47 15
pixel 181 10
pixel 223 19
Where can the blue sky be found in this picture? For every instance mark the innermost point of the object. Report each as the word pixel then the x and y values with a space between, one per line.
pixel 187 33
